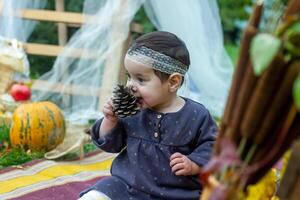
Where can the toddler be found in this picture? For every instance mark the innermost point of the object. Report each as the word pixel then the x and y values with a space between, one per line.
pixel 163 147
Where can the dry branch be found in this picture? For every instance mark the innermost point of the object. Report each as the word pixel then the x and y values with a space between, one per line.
pixel 293 8
pixel 262 96
pixel 282 97
pixel 238 77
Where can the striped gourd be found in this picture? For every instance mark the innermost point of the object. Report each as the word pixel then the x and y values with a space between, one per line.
pixel 37 126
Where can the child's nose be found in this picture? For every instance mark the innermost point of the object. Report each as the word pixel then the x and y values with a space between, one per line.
pixel 131 86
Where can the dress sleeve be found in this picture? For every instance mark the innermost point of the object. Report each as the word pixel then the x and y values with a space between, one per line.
pixel 112 142
pixel 204 143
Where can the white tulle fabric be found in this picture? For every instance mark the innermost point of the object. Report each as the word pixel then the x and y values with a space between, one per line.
pixel 197 23
pixel 99 38
pixel 14 27
pixel 15 30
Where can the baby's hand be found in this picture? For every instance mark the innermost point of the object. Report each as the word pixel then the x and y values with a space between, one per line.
pixel 181 165
pixel 108 111
pixel 110 119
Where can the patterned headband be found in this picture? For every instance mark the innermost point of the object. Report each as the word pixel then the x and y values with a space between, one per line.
pixel 157 60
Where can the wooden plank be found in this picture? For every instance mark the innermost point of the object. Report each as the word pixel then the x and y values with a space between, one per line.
pixel 46 86
pixel 136 28
pixel 53 16
pixel 42 49
pixel 70 18
pixel 54 50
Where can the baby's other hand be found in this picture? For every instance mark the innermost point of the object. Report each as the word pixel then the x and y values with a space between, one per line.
pixel 108 111
pixel 181 165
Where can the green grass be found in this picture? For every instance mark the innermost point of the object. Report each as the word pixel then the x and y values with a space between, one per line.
pixel 15 157
pixel 4 135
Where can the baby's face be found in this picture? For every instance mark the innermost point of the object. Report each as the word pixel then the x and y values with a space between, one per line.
pixel 149 89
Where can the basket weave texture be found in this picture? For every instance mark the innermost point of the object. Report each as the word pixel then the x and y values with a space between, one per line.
pixel 6 78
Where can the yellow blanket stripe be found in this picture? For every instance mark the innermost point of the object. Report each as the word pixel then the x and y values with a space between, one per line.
pixel 52 173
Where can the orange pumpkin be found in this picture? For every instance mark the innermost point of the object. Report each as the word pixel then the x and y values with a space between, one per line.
pixel 37 126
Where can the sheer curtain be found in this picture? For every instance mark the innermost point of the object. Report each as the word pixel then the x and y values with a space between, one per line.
pixel 197 23
pixel 14 27
pixel 100 38
pixel 14 30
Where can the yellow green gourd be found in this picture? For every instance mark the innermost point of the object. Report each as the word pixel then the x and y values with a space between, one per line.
pixel 37 126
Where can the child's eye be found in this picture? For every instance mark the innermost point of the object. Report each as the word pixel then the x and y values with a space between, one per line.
pixel 140 80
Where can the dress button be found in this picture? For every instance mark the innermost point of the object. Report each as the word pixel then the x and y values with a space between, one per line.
pixel 156 134
pixel 158 116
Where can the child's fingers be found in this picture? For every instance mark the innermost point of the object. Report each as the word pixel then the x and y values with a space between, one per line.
pixel 109 102
pixel 175 155
pixel 181 172
pixel 175 161
pixel 108 105
pixel 178 166
pixel 107 111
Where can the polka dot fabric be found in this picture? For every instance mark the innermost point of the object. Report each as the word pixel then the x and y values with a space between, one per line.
pixel 145 143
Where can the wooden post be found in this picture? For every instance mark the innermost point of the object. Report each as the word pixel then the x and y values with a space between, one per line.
pixel 122 76
pixel 113 65
pixel 62 27
pixel 111 74
pixel 62 41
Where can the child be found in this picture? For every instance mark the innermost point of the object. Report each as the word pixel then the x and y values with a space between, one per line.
pixel 163 147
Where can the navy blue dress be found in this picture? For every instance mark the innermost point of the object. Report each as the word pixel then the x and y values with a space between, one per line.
pixel 146 141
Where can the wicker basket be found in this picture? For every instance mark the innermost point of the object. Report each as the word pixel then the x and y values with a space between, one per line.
pixel 6 78
pixel 73 142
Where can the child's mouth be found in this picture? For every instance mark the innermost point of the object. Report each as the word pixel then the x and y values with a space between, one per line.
pixel 140 101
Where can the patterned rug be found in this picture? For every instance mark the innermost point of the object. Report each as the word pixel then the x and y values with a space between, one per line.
pixel 53 180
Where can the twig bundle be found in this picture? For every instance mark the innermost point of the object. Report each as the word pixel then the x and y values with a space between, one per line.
pixel 260 120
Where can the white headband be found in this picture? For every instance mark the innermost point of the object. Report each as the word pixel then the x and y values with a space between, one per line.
pixel 157 60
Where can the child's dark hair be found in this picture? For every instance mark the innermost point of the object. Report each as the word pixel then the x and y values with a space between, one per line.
pixel 167 44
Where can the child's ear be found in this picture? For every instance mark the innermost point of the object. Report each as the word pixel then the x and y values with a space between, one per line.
pixel 174 82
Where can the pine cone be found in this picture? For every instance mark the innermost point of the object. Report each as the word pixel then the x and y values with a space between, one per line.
pixel 124 102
